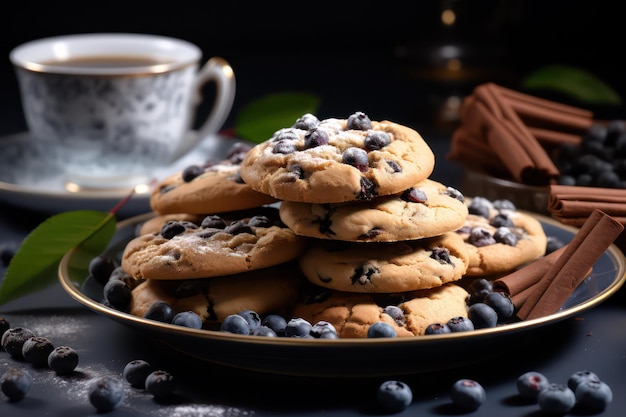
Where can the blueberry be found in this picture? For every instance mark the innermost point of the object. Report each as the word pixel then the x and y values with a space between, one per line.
pixel 356 157
pixel 504 204
pixel 252 317
pixel 467 394
pixel 381 329
pixel 160 384
pixel 480 206
pixel 593 396
pixel 531 383
pixel 213 222
pixel 63 360
pixel 118 294
pixel 238 227
pixel 174 228
pixel 190 172
pixel 479 237
pixel 501 220
pixel 320 329
pixel 414 195
pixel 501 303
pixel 136 372
pixel 358 121
pixel 315 137
pixel 187 319
pixel 556 398
pixel 482 316
pixel 284 147
pixel 306 122
pixel 395 313
pixel 394 396
pixel 460 324
pixel 236 324
pixel 275 322
pixel 263 331
pixel 579 377
pixel 4 326
pixel 478 289
pixel 105 393
pixel 376 140
pixel 298 327
pixel 454 193
pixel 437 328
pixel 15 383
pixel 36 350
pixel 101 268
pixel 13 339
pixel 160 311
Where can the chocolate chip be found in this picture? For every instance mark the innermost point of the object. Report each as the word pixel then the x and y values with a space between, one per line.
pixel 363 274
pixel 368 189
pixel 442 255
pixel 395 167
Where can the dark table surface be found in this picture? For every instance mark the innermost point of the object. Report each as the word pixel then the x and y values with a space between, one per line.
pixel 594 340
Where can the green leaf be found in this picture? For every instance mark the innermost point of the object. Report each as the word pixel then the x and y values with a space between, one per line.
pixel 574 82
pixel 35 264
pixel 259 120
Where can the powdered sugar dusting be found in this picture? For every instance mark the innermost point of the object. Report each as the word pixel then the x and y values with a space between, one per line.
pixel 56 328
pixel 203 411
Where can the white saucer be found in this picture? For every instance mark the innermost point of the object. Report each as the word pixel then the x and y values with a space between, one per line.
pixel 27 181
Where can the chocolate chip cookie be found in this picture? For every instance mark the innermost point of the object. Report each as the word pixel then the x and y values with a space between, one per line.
pixel 427 209
pixel 224 244
pixel 338 160
pixel 385 267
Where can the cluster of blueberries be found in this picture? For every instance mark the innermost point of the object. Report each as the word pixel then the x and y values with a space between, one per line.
pixel 104 393
pixel 584 391
pixel 599 160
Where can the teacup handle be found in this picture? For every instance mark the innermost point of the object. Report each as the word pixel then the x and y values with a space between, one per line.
pixel 219 71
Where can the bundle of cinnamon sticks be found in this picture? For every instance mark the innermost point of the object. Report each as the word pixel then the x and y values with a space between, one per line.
pixel 512 135
pixel 509 133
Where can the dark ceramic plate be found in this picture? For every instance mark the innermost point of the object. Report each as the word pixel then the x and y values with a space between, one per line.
pixel 343 357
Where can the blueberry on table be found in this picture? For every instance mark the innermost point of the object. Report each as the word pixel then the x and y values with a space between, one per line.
pixel 381 329
pixel 579 377
pixel 593 396
pixel 160 384
pixel 529 384
pixel 13 339
pixel 105 393
pixel 36 351
pixel 556 398
pixel 4 326
pixel 136 372
pixel 467 394
pixel 15 383
pixel 63 360
pixel 394 395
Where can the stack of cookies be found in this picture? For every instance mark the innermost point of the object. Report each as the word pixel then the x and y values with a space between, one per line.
pixel 381 233
pixel 331 220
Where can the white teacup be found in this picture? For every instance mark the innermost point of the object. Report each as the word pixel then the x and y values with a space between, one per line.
pixel 113 106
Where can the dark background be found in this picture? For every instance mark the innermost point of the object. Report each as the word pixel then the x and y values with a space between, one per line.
pixel 370 56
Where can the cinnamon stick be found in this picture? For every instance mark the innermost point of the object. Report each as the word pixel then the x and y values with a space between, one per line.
pixel 596 235
pixel 517 283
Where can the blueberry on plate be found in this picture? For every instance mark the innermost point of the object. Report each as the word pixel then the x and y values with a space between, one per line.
pixel 188 319
pixel 15 383
pixel 275 322
pixel 381 329
pixel 236 324
pixel 160 311
pixel 501 303
pixel 467 394
pixel 101 268
pixel 556 398
pixel 252 317
pixel 460 324
pixel 263 331
pixel 298 327
pixel 482 316
pixel 323 330
pixel 437 328
pixel 530 383
pixel 593 396
pixel 136 372
pixel 105 393
pixel 394 395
